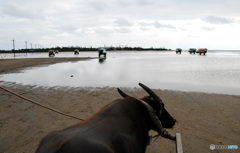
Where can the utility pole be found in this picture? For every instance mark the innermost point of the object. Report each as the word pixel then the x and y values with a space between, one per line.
pixel 26 47
pixel 31 45
pixel 13 46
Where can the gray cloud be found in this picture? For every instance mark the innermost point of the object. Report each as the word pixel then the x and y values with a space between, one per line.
pixel 98 5
pixel 70 28
pixel 122 30
pixel 144 2
pixel 218 20
pixel 159 25
pixel 29 20
pixel 104 31
pixel 207 28
pixel 144 24
pixel 121 22
pixel 108 31
pixel 16 11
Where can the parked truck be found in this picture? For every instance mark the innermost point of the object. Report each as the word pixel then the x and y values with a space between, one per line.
pixel 192 50
pixel 202 51
pixel 178 50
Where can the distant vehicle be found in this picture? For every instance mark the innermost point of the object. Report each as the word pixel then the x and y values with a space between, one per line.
pixel 178 50
pixel 76 52
pixel 51 53
pixel 192 50
pixel 202 51
pixel 102 51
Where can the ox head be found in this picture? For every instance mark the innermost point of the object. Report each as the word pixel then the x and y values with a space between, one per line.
pixel 159 114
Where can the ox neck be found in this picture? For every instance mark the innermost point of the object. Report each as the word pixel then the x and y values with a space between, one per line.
pixel 128 113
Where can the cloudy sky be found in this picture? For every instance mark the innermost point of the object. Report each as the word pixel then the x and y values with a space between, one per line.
pixel 212 24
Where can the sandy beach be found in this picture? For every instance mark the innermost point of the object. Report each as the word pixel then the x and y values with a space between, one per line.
pixel 203 118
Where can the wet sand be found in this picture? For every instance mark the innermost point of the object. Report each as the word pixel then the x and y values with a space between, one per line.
pixel 203 118
pixel 12 65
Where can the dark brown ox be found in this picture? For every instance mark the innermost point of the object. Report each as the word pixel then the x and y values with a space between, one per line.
pixel 122 126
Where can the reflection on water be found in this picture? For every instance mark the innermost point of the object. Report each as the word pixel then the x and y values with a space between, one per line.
pixel 216 72
pixel 102 60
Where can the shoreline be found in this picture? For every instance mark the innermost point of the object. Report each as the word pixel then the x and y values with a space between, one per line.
pixel 10 52
pixel 203 118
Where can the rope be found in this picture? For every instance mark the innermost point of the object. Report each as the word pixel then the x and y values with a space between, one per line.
pixel 40 104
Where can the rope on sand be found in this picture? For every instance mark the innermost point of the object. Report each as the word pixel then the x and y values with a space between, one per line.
pixel 34 102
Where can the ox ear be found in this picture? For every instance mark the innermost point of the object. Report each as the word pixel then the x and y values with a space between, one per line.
pixel 122 93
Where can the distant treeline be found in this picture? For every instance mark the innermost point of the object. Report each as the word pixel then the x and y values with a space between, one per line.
pixel 71 49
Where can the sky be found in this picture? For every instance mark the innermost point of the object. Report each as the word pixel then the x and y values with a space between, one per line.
pixel 212 24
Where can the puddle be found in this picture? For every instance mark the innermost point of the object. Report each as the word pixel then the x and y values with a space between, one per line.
pixel 216 72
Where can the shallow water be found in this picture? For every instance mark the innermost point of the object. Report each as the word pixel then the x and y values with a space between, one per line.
pixel 217 72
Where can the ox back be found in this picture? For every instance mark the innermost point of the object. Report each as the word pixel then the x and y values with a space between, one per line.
pixel 120 127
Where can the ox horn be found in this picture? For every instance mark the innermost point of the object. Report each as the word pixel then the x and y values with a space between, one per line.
pixel 157 125
pixel 122 93
pixel 151 93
